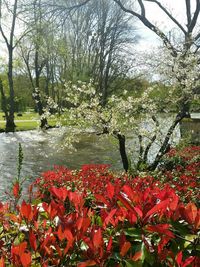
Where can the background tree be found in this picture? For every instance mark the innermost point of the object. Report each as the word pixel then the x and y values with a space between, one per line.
pixel 8 36
pixel 93 39
pixel 36 51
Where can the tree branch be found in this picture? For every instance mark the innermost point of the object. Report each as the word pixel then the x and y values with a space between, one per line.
pixel 149 25
pixel 188 12
pixel 165 144
pixel 79 5
pixel 61 8
pixel 153 139
pixel 143 12
pixel 195 17
pixel 21 37
pixel 4 37
pixel 168 14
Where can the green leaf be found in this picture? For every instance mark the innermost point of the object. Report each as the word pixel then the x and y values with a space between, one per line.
pixel 180 227
pixel 147 256
pixel 190 239
pixel 134 232
pixel 130 263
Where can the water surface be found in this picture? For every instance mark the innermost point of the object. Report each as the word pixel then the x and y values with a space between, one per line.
pixel 42 150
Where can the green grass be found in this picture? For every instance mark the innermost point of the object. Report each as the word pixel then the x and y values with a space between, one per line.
pixel 28 121
pixel 25 116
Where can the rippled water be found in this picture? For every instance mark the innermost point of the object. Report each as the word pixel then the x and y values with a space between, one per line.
pixel 42 151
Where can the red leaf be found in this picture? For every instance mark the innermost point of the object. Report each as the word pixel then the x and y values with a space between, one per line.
pixel 179 257
pixel 130 193
pixel 32 240
pixel 163 229
pixel 124 249
pixel 126 203
pixel 2 262
pixel 109 217
pixel 60 233
pixel 60 193
pixel 85 224
pixel 26 211
pixel 164 240
pixel 162 205
pixel 138 211
pixel 68 235
pixel 16 189
pixel 109 246
pixel 137 256
pixel 188 261
pixel 13 217
pixel 110 190
pixel 26 259
pixel 51 209
pixel 197 220
pixel 97 238
pixel 79 223
pixel 19 249
pixel 69 245
pixel 174 203
pixel 191 212
pixel 101 199
pixel 87 263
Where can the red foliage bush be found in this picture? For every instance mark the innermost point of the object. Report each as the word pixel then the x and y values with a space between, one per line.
pixel 94 217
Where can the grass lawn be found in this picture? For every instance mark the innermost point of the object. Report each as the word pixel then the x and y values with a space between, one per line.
pixel 25 116
pixel 28 121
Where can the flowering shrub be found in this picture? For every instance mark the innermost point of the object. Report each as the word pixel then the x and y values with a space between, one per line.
pixel 94 217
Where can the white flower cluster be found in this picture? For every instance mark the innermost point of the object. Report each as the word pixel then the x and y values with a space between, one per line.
pixel 121 113
pixel 182 72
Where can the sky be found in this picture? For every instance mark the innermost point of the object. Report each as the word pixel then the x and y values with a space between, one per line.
pixel 149 39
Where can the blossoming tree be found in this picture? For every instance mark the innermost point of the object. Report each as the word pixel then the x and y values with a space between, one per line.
pixel 123 116
pixel 180 64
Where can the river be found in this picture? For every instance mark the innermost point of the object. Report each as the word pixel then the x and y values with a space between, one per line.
pixel 42 150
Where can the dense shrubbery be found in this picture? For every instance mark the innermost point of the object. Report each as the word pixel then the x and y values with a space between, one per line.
pixel 94 217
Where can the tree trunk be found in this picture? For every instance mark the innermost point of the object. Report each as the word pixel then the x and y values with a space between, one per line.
pixel 3 100
pixel 10 125
pixel 37 97
pixel 165 145
pixel 122 149
pixel 43 120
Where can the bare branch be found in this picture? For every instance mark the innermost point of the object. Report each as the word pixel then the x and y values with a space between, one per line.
pixel 79 5
pixel 168 14
pixel 1 29
pixel 163 149
pixel 142 7
pixel 188 12
pixel 21 37
pixel 153 139
pixel 195 17
pixel 13 24
pixel 61 8
pixel 149 25
pixel 4 36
